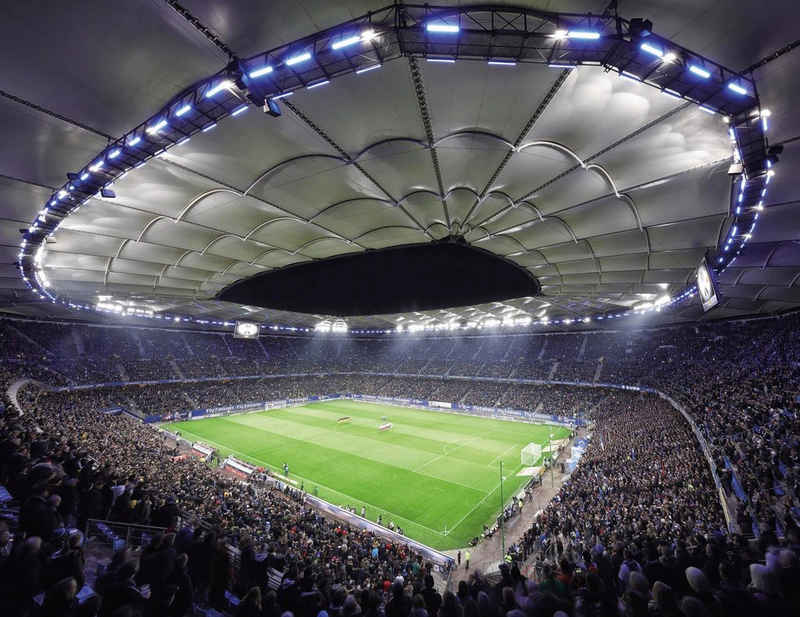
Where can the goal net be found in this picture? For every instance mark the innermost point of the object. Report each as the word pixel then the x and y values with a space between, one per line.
pixel 530 454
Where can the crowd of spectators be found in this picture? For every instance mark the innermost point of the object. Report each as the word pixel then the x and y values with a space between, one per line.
pixel 638 529
pixel 68 463
pixel 639 520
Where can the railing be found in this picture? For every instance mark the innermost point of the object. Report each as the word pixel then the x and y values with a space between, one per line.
pixel 120 535
pixel 712 467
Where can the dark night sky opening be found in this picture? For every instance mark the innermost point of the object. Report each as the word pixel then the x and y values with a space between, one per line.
pixel 409 278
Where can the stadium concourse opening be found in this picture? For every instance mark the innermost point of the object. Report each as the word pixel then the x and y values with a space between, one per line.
pixel 408 278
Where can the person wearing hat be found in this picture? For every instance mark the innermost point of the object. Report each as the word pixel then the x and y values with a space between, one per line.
pixel 36 517
pixel 636 596
pixel 764 588
pixel 663 602
pixel 701 589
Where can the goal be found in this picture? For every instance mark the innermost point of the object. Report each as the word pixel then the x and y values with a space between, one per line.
pixel 530 454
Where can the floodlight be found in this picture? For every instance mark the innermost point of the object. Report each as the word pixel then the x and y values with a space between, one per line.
pixel 350 40
pixel 652 49
pixel 583 34
pixel 369 68
pixel 700 72
pixel 157 126
pixel 264 70
pixel 219 87
pixel 298 59
pixel 446 28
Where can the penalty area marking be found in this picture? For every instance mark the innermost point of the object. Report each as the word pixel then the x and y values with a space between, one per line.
pixel 445 452
pixel 502 455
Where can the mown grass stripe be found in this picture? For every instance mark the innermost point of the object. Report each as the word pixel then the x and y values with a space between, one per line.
pixel 364 477
pixel 399 472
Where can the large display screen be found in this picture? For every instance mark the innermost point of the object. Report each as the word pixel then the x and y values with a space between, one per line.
pixel 245 329
pixel 706 288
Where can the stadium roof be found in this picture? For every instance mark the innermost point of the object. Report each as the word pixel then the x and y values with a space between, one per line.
pixel 607 190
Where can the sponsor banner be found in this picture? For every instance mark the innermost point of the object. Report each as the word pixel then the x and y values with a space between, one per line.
pixel 494 412
pixel 250 407
pixel 238 407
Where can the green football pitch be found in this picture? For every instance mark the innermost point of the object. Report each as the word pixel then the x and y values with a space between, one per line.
pixel 436 475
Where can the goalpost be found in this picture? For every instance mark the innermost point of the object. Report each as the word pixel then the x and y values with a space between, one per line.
pixel 530 454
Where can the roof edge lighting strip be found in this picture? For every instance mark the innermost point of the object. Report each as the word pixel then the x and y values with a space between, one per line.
pixel 221 91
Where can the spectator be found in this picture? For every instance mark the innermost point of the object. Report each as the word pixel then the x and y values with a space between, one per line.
pixel 250 604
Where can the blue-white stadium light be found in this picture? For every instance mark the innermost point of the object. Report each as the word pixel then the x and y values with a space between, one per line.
pixel 700 72
pixel 346 42
pixel 736 88
pixel 264 70
pixel 446 28
pixel 157 126
pixel 219 88
pixel 368 69
pixel 298 59
pixel 652 50
pixel 583 34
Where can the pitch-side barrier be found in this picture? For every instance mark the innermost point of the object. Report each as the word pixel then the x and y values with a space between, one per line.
pixel 499 413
